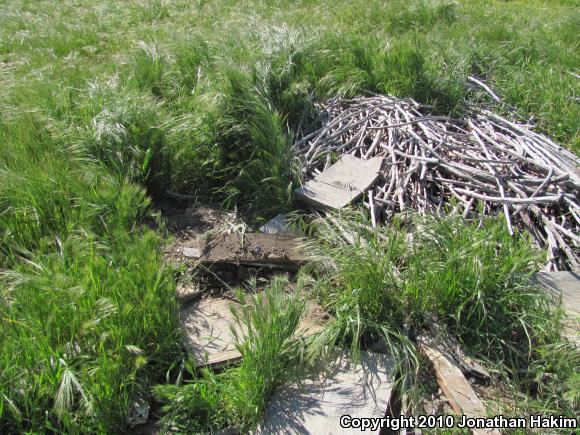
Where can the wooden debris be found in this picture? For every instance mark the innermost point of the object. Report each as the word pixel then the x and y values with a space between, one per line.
pixel 468 365
pixel 206 323
pixel 316 405
pixel 457 389
pixel 565 285
pixel 207 330
pixel 341 183
pixel 253 248
pixel 483 165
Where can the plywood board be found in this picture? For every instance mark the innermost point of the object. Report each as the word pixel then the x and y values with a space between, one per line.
pixel 207 330
pixel 342 183
pixel 207 321
pixel 457 389
pixel 315 406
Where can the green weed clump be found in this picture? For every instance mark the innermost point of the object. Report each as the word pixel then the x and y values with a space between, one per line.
pixel 472 278
pixel 264 330
pixel 84 328
pixel 104 104
pixel 87 311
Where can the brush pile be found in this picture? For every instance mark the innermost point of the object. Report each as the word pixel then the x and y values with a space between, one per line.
pixel 484 165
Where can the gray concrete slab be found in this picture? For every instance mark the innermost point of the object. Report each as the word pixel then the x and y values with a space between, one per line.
pixel 315 406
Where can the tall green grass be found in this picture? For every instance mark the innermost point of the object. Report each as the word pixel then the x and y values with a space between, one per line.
pixel 264 330
pixel 87 312
pixel 193 108
pixel 83 331
pixel 105 103
pixel 471 278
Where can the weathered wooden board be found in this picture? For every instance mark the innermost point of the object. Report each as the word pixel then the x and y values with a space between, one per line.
pixel 253 248
pixel 567 286
pixel 206 323
pixel 340 184
pixel 316 405
pixel 207 330
pixel 468 365
pixel 457 389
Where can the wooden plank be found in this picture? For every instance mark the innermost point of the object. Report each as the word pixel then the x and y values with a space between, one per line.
pixel 565 285
pixel 468 365
pixel 206 323
pixel 457 389
pixel 342 183
pixel 253 248
pixel 315 406
pixel 207 331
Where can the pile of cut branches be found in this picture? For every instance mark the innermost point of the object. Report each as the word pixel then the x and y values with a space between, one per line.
pixel 484 165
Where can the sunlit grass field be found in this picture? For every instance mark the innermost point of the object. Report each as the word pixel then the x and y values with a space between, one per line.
pixel 106 105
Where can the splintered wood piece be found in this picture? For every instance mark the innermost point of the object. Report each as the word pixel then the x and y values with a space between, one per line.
pixel 342 183
pixel 457 389
pixel 315 406
pixel 253 248
pixel 468 365
pixel 207 331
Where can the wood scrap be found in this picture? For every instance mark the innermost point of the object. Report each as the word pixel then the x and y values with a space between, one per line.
pixel 340 184
pixel 469 366
pixel 484 165
pixel 207 324
pixel 457 389
pixel 260 249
